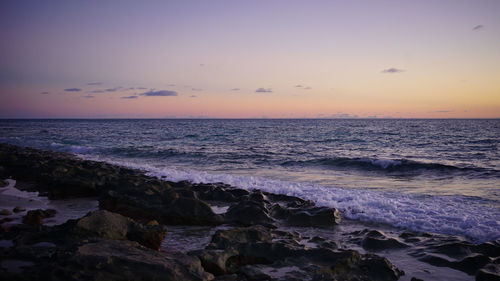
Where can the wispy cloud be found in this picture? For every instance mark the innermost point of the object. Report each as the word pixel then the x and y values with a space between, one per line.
pixel 113 89
pixel 98 91
pixel 171 85
pixel 235 89
pixel 73 90
pixel 44 93
pixel 478 27
pixel 88 97
pixel 392 70
pixel 141 88
pixel 442 111
pixel 196 89
pixel 263 90
pixel 303 87
pixel 192 96
pixel 161 93
pixel 94 83
pixel 130 97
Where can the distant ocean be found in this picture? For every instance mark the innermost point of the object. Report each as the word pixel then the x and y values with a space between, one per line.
pixel 425 175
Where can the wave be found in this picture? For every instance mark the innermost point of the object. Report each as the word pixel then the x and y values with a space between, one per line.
pixel 472 217
pixel 388 165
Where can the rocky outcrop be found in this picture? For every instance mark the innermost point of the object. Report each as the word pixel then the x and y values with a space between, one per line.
pixel 37 216
pixel 255 252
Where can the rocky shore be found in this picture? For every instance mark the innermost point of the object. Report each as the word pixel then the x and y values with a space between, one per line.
pixel 258 235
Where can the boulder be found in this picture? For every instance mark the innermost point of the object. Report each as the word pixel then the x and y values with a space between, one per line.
pixel 249 212
pixel 36 216
pixel 315 216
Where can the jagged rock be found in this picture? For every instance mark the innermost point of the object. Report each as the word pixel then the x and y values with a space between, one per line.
pixel 249 212
pixel 37 216
pixel 115 226
pixel 223 239
pixel 490 272
pixel 19 209
pixel 315 216
pixel 5 212
pixel 127 260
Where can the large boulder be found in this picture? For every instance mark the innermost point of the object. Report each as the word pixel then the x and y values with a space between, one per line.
pixel 109 225
pixel 127 260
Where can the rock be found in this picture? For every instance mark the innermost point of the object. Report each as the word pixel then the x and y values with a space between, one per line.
pixel 471 264
pixel 490 272
pixel 36 216
pixel 377 244
pixel 126 260
pixel 5 212
pixel 190 211
pixel 248 212
pixel 19 209
pixel 3 183
pixel 105 224
pixel 315 216
pixel 223 239
pixel 115 226
pixel 354 266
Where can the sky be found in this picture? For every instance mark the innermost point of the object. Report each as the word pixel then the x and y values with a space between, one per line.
pixel 250 59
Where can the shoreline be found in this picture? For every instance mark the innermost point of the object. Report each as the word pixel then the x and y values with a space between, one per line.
pixel 151 204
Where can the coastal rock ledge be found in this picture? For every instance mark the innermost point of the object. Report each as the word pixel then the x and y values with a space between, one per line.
pixel 252 238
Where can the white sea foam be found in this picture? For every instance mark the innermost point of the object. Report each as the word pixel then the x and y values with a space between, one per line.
pixel 471 217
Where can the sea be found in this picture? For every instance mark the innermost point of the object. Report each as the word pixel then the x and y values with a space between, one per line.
pixel 429 175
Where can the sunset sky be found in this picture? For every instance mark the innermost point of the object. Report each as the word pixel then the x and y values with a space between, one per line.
pixel 249 59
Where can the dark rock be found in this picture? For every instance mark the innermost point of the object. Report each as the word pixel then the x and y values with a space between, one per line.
pixel 5 212
pixel 472 263
pixel 249 212
pixel 490 272
pixel 3 183
pixel 416 279
pixel 115 226
pixel 19 209
pixel 315 216
pixel 376 244
pixel 223 239
pixel 36 216
pixel 190 211
pixel 126 260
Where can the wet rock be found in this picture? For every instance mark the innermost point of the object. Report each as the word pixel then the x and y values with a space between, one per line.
pixel 223 239
pixel 190 211
pixel 19 209
pixel 490 272
pixel 126 260
pixel 5 212
pixel 315 216
pixel 472 263
pixel 378 244
pixel 3 183
pixel 36 216
pixel 354 266
pixel 115 226
pixel 249 212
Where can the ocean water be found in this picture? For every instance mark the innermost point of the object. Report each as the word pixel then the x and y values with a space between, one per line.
pixel 438 176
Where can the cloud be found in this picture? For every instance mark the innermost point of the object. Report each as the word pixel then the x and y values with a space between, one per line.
pixel 235 89
pixel 113 89
pixel 73 90
pixel 392 70
pixel 202 64
pixel 303 87
pixel 44 93
pixel 263 90
pixel 192 96
pixel 88 97
pixel 94 83
pixel 141 88
pixel 171 85
pixel 97 91
pixel 478 27
pixel 196 89
pixel 162 93
pixel 443 111
pixel 130 97
pixel 344 116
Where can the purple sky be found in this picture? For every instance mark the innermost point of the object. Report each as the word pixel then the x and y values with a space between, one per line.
pixel 246 58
